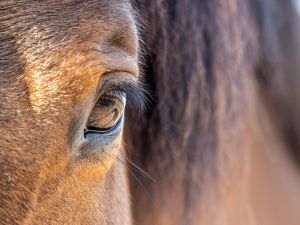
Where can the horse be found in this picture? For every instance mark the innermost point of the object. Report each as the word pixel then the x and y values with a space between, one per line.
pixel 211 135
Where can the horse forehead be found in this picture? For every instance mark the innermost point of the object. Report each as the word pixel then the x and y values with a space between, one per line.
pixel 39 27
pixel 66 6
pixel 52 36
pixel 64 15
pixel 55 24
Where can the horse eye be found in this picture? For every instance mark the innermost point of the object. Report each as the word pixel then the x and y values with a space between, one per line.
pixel 107 112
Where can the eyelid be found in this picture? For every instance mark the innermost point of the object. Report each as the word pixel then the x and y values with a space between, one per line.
pixel 136 94
pixel 117 93
pixel 110 131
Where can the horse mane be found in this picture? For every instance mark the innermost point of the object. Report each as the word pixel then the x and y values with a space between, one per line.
pixel 277 72
pixel 201 57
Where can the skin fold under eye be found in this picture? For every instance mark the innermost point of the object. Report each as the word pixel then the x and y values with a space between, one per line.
pixel 107 112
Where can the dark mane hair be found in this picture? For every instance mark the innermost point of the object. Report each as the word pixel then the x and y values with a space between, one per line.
pixel 277 72
pixel 202 57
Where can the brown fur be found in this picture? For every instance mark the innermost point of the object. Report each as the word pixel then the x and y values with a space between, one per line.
pixel 216 69
pixel 54 54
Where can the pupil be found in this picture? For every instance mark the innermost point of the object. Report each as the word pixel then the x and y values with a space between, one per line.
pixel 105 102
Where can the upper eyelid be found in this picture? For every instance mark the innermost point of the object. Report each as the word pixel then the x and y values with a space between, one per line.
pixel 136 94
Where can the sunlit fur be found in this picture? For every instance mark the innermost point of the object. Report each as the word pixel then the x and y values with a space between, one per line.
pixel 52 56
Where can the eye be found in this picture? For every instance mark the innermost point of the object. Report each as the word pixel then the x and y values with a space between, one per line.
pixel 107 114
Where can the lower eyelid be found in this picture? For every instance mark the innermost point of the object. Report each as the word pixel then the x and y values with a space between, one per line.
pixel 114 130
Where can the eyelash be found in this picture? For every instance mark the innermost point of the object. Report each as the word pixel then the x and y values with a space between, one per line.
pixel 131 93
pixel 136 95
